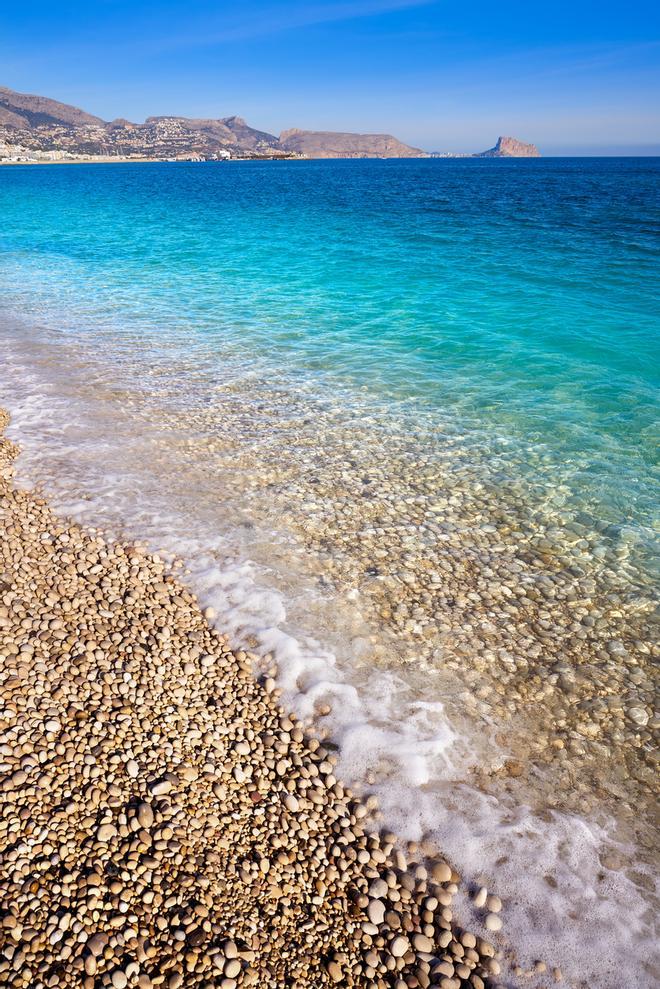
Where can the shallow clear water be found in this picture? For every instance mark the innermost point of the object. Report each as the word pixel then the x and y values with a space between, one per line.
pixel 400 420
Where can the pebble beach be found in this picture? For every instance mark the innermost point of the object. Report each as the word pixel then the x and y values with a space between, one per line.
pixel 164 821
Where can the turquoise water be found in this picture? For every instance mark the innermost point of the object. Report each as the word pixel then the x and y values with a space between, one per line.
pixel 519 295
pixel 399 418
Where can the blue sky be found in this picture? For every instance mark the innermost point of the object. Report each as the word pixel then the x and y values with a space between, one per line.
pixel 573 77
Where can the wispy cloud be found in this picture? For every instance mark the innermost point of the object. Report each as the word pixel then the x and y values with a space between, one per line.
pixel 281 18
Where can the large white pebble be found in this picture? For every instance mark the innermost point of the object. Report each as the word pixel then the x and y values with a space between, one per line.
pixel 399 946
pixel 376 911
pixel 291 803
pixel 480 897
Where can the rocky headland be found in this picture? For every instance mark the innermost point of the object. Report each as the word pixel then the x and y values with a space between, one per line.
pixel 329 144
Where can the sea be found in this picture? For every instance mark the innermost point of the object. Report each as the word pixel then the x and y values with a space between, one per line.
pixel 396 422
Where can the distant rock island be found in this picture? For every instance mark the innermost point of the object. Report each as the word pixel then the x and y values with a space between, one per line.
pixel 35 128
pixel 509 147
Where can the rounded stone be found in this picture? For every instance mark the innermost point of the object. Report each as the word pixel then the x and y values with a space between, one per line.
pixel 106 832
pixel 334 971
pixel 97 943
pixel 376 911
pixel 399 946
pixel 493 904
pixel 145 814
pixel 422 943
pixel 480 897
pixel 441 872
pixel 291 803
pixel 378 889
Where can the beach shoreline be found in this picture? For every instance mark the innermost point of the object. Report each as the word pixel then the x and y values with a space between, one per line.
pixel 165 821
pixel 105 160
pixel 116 159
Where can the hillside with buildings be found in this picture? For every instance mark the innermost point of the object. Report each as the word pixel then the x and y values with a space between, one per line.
pixel 36 128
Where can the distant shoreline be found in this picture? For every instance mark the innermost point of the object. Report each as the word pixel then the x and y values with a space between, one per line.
pixel 81 161
pixel 114 160
pixel 207 161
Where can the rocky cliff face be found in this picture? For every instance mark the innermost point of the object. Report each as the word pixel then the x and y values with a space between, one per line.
pixel 510 147
pixel 331 144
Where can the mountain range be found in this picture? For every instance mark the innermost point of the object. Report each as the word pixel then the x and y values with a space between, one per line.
pixel 36 128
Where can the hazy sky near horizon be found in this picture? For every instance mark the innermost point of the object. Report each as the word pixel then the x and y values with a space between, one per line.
pixel 573 77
